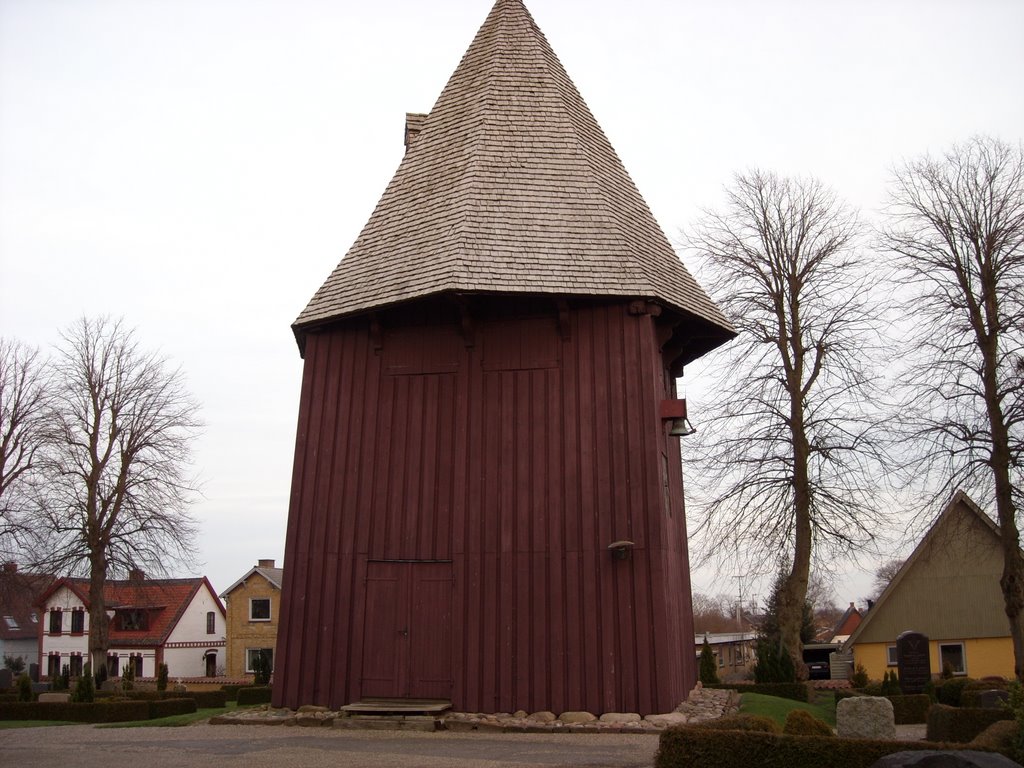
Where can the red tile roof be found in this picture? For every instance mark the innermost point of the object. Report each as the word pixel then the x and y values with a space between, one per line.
pixel 18 592
pixel 164 600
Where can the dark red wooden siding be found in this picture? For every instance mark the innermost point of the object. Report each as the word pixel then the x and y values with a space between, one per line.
pixel 517 458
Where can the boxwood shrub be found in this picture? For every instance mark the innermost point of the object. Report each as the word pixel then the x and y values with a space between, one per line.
pixel 910 708
pixel 795 691
pixel 254 694
pixel 741 722
pixel 961 724
pixel 168 707
pixel 684 747
pixel 231 691
pixel 950 692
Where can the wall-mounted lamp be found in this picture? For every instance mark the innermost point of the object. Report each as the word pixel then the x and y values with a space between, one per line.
pixel 675 411
pixel 620 549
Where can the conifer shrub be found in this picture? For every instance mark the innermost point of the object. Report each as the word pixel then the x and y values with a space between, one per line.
pixel 261 668
pixel 859 678
pixel 161 678
pixel 24 687
pixel 800 722
pixel 774 664
pixel 708 665
pixel 84 692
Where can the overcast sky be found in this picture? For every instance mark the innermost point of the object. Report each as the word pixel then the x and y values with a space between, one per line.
pixel 200 166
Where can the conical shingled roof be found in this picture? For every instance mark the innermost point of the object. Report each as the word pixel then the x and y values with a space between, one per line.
pixel 510 187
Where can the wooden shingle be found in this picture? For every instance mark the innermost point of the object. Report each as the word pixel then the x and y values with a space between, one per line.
pixel 509 187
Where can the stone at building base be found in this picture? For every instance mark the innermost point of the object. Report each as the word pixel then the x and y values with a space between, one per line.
pixel 865 717
pixel 375 723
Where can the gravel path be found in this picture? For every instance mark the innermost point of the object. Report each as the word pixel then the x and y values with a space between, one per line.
pixel 246 746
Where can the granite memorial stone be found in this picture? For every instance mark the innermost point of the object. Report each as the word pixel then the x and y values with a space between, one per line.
pixel 913 662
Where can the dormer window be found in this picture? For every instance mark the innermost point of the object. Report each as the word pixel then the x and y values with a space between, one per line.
pixel 133 620
pixel 11 622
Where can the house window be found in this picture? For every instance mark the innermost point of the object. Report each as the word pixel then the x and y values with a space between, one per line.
pixel 11 623
pixel 211 623
pixel 953 655
pixel 77 622
pixel 112 669
pixel 133 620
pixel 251 655
pixel 136 662
pixel 76 665
pixel 56 621
pixel 53 665
pixel 259 609
pixel 890 654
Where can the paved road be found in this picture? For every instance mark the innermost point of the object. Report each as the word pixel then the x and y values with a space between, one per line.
pixel 260 746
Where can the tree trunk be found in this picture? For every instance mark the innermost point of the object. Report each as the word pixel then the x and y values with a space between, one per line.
pixel 794 591
pixel 99 625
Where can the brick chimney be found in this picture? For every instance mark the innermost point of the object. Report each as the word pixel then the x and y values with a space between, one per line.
pixel 10 567
pixel 413 124
pixel 136 574
pixel 266 564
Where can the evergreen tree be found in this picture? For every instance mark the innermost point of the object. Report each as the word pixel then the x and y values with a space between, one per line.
pixel 708 665
pixel 84 690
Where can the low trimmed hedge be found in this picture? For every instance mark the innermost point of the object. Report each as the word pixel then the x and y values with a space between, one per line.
pixel 231 691
pixel 169 707
pixel 78 712
pixel 950 692
pixel 254 694
pixel 911 708
pixel 684 746
pixel 794 691
pixel 741 721
pixel 962 724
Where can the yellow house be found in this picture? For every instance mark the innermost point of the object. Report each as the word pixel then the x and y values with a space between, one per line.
pixel 253 607
pixel 948 590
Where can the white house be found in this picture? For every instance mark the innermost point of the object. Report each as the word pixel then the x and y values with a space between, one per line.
pixel 177 622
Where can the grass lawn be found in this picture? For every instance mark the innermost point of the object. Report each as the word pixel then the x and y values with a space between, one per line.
pixel 822 707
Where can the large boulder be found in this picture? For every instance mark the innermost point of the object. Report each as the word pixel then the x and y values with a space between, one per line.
pixel 934 758
pixel 865 717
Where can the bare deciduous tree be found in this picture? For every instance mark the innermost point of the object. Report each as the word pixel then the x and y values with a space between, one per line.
pixel 116 463
pixel 780 463
pixel 22 408
pixel 884 574
pixel 957 225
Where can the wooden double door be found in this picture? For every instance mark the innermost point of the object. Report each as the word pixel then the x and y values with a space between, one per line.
pixel 407 635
